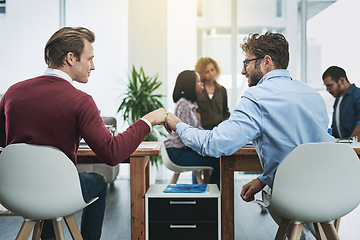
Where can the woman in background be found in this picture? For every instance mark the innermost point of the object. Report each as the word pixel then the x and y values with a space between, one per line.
pixel 212 101
pixel 187 86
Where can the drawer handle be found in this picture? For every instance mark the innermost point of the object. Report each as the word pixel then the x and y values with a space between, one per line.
pixel 192 226
pixel 182 202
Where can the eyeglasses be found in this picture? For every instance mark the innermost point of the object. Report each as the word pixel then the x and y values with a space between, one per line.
pixel 246 62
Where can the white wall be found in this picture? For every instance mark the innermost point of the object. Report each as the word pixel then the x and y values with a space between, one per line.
pixel 108 19
pixel 147 37
pixel 336 30
pixel 162 39
pixel 181 38
pixel 24 31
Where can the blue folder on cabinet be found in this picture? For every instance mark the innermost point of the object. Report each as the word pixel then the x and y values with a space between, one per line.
pixel 186 188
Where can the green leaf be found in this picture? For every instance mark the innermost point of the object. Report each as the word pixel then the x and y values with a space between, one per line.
pixel 140 99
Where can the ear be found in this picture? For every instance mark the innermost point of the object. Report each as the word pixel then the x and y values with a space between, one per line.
pixel 342 80
pixel 70 58
pixel 268 63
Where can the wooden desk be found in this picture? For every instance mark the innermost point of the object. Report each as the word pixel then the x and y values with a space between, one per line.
pixel 245 159
pixel 139 182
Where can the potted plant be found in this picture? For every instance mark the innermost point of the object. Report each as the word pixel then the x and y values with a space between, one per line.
pixel 139 99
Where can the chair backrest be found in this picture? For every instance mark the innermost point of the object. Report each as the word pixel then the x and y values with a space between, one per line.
pixel 165 157
pixel 167 161
pixel 39 182
pixel 109 121
pixel 317 182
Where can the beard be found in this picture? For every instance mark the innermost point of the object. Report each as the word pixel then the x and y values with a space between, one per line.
pixel 255 76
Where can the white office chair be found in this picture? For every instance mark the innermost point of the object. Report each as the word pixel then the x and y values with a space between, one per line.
pixel 316 183
pixel 179 169
pixel 38 183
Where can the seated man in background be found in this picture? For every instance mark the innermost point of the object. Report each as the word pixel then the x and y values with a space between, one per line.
pixel 276 113
pixel 346 113
pixel 49 110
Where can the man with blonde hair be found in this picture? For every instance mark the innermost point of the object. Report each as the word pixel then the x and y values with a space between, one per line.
pixel 49 110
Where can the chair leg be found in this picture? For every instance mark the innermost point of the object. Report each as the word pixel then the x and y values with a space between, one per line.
pixel 175 178
pixel 37 230
pixel 73 227
pixel 337 224
pixel 296 231
pixel 59 232
pixel 283 229
pixel 25 230
pixel 198 177
pixel 206 175
pixel 319 232
pixel 330 231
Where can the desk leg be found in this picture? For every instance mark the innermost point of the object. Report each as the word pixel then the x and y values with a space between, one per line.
pixel 227 199
pixel 139 184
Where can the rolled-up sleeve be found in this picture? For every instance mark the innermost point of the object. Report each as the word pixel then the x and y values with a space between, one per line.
pixel 229 136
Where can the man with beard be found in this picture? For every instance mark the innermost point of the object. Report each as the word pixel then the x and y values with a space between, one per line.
pixel 277 113
pixel 346 115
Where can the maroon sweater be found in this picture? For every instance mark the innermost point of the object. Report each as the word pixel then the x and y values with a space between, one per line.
pixel 48 110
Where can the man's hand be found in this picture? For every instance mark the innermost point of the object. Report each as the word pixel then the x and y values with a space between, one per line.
pixel 356 132
pixel 250 189
pixel 156 117
pixel 171 121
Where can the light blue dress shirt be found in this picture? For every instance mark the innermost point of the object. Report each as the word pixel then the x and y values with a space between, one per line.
pixel 277 115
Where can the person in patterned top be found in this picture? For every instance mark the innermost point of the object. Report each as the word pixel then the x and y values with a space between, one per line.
pixel 187 86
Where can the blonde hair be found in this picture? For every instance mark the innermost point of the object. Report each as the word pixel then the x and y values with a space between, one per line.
pixel 202 64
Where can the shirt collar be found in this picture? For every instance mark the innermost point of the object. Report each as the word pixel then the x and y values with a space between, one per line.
pixel 351 89
pixel 58 73
pixel 275 73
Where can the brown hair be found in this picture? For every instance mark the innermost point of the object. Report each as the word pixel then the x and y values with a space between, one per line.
pixel 273 44
pixel 202 64
pixel 65 40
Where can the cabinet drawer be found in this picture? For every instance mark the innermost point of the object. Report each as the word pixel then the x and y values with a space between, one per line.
pixel 183 209
pixel 181 231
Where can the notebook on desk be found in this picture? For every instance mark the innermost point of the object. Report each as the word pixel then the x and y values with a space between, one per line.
pixel 147 146
pixel 344 140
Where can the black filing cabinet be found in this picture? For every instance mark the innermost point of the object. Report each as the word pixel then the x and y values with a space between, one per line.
pixel 186 216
